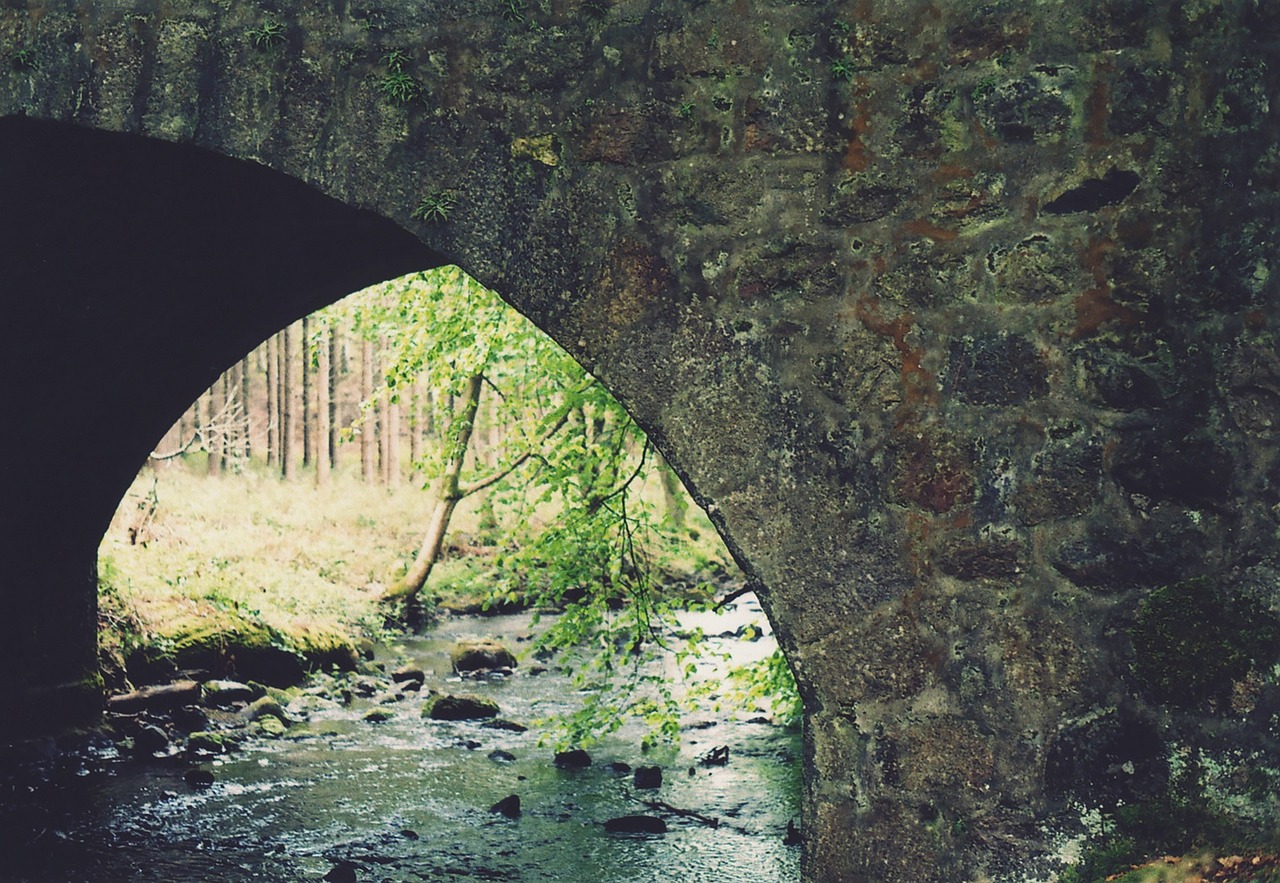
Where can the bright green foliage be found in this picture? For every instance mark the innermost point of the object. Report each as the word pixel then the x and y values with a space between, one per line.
pixel 770 681
pixel 579 538
pixel 268 35
pixel 434 207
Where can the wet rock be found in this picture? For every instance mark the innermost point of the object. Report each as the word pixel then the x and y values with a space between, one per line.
pixel 648 777
pixel 482 655
pixel 365 687
pixel 378 716
pixel 620 767
pixel 263 707
pixel 574 759
pixel 190 718
pixel 342 872
pixel 718 756
pixel 208 742
pixel 407 674
pixel 504 724
pixel 459 708
pixel 636 825
pixel 507 806
pixel 270 726
pixel 792 837
pixel 149 739
pixel 224 694
pixel 198 778
pixel 500 756
pixel 155 698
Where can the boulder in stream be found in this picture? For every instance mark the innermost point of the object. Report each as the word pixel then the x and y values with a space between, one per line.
pixel 636 825
pixel 223 693
pixel 648 777
pixel 443 707
pixel 508 806
pixel 481 655
pixel 409 673
pixel 573 759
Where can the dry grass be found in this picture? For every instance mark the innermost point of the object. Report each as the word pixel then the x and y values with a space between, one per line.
pixel 291 556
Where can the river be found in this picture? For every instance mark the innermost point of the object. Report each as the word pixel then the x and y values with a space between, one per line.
pixel 408 799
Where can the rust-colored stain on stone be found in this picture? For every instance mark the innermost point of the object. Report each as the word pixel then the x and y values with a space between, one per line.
pixel 1094 306
pixel 858 156
pixel 917 382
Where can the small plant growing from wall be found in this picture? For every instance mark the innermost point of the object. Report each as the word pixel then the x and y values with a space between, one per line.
pixel 269 34
pixel 842 69
pixel 398 86
pixel 24 59
pixel 514 10
pixel 434 208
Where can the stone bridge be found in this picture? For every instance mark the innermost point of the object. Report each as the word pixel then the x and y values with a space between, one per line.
pixel 958 316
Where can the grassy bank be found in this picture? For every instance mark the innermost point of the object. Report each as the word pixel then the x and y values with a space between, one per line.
pixel 194 557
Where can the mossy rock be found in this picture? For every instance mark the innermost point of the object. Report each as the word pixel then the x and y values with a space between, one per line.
pixel 324 649
pixel 270 726
pixel 212 742
pixel 459 708
pixel 1191 642
pixel 481 655
pixel 229 645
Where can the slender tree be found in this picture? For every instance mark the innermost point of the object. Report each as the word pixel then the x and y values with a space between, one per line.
pixel 308 417
pixel 246 403
pixel 368 441
pixel 273 401
pixel 322 456
pixel 288 390
pixel 335 332
pixel 391 441
pixel 213 435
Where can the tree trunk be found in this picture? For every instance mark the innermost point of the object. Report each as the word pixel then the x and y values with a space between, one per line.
pixel 322 454
pixel 308 417
pixel 415 424
pixel 246 423
pixel 391 441
pixel 334 347
pixel 288 381
pixel 673 495
pixel 213 432
pixel 447 493
pixel 273 404
pixel 230 420
pixel 368 437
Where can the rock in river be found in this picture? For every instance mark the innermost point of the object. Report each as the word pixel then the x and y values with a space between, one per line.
pixel 636 825
pixel 459 708
pixel 481 655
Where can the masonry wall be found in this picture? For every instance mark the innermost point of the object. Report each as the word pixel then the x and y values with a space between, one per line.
pixel 957 317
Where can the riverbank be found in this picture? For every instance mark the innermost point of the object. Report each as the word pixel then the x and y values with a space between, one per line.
pixel 250 577
pixel 354 776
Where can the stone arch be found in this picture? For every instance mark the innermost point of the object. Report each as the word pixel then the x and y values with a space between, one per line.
pixel 957 315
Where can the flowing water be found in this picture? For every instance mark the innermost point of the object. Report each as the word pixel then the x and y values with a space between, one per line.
pixel 408 799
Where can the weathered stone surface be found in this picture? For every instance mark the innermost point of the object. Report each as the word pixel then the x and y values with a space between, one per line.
pixel 958 317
